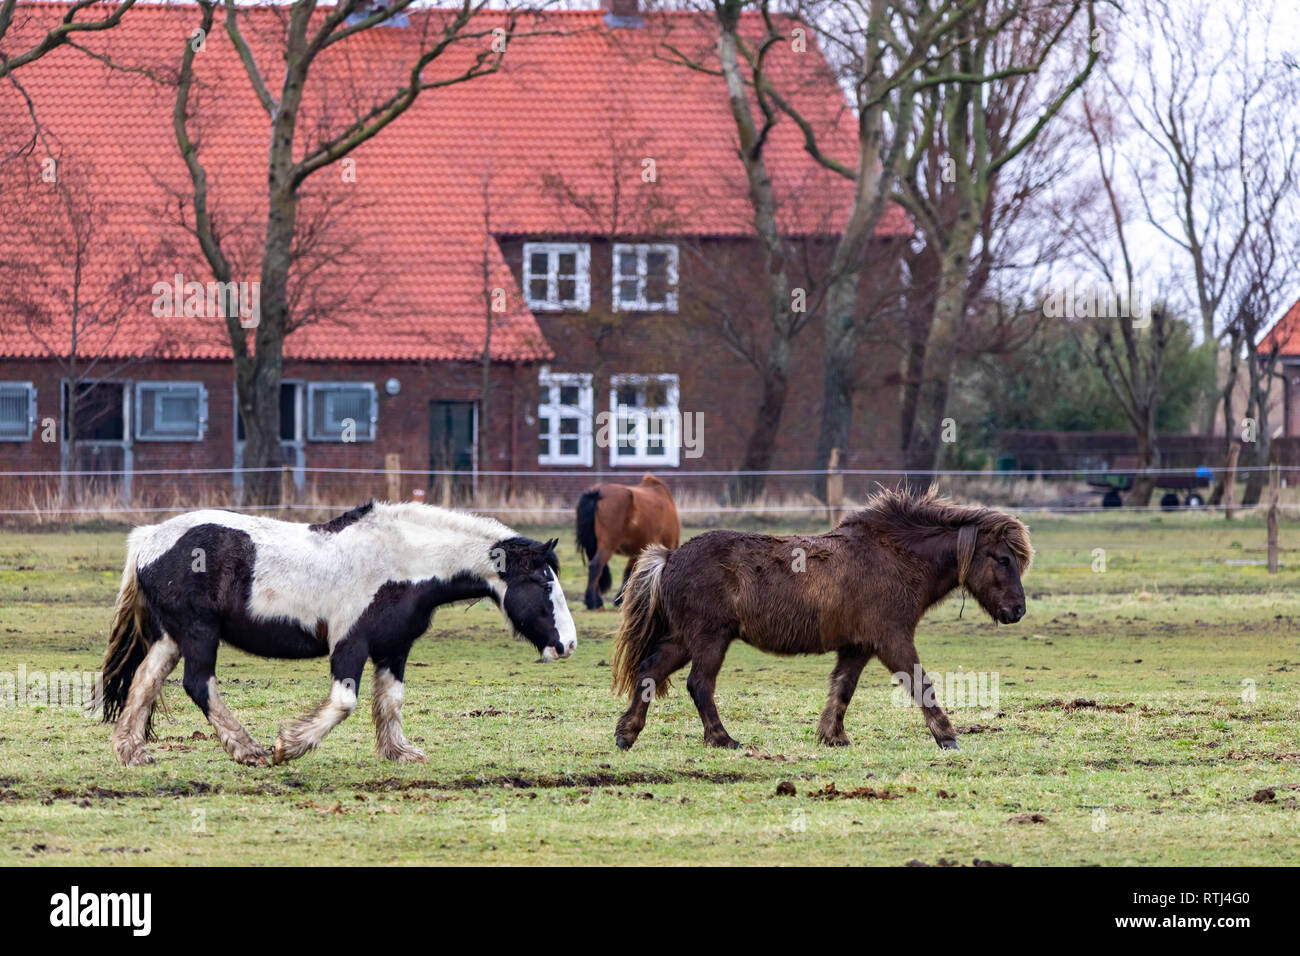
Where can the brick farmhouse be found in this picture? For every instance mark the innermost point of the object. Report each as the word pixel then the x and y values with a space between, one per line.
pixel 587 198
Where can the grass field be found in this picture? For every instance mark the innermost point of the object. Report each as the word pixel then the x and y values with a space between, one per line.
pixel 1148 713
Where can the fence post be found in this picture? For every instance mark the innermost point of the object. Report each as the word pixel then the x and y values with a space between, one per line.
pixel 834 487
pixel 1230 478
pixel 1274 480
pixel 393 465
pixel 288 491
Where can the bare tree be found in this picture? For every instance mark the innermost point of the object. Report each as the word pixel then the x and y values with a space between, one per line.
pixel 785 322
pixel 75 282
pixel 1126 344
pixel 70 26
pixel 1011 43
pixel 1212 166
pixel 1208 110
pixel 1270 257
pixel 300 149
pixel 915 68
pixel 1017 231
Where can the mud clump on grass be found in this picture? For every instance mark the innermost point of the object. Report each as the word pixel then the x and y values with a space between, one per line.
pixel 830 792
pixel 786 789
pixel 1027 818
pixel 1083 703
pixel 978 729
pixel 943 861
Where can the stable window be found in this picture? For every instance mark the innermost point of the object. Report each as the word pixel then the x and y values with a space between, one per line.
pixel 645 277
pixel 170 411
pixel 341 411
pixel 557 276
pixel 17 411
pixel 99 412
pixel 564 419
pixel 646 422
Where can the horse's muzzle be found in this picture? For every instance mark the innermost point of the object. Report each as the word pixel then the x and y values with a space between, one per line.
pixel 550 653
pixel 1011 614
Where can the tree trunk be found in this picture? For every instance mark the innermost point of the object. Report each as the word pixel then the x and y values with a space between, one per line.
pixel 761 445
pixel 1229 423
pixel 1148 455
pixel 917 323
pixel 258 377
pixel 838 369
pixel 71 489
pixel 839 340
pixel 921 454
pixel 1258 477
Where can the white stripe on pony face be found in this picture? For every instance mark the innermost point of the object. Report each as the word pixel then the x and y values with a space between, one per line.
pixel 564 625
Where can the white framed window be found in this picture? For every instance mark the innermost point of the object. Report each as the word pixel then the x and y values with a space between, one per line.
pixel 342 411
pixel 564 418
pixel 557 276
pixel 17 411
pixel 645 277
pixel 170 411
pixel 645 422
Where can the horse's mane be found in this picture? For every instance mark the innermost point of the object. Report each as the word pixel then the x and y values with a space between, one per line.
pixel 905 515
pixel 441 519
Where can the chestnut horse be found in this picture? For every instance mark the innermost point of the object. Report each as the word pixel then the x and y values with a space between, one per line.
pixel 623 519
pixel 859 591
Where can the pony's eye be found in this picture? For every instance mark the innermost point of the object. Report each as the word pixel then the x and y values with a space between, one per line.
pixel 1004 561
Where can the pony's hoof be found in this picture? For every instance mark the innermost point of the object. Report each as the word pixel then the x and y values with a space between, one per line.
pixel 136 757
pixel 279 752
pixel 949 745
pixel 725 742
pixel 252 758
pixel 406 755
pixel 833 740
pixel 624 742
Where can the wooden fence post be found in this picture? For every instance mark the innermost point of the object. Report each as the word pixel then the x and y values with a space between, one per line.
pixel 393 465
pixel 1230 478
pixel 834 487
pixel 1274 481
pixel 288 491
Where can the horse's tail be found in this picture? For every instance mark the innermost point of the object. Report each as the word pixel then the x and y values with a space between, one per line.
pixel 132 633
pixel 586 528
pixel 644 622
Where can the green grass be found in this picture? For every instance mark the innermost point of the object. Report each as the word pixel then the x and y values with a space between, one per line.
pixel 1169 641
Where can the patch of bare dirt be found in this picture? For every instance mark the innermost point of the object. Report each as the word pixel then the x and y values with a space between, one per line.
pixel 548 782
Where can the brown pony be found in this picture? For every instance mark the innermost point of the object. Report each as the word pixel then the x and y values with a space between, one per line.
pixel 859 591
pixel 623 519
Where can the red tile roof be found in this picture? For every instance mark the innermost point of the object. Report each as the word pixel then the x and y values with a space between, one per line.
pixel 556 140
pixel 1285 332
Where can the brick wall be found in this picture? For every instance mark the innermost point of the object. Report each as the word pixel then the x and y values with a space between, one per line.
pixel 718 281
pixel 717 277
pixel 403 426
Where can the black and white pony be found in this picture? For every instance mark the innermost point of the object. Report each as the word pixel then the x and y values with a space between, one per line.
pixel 362 585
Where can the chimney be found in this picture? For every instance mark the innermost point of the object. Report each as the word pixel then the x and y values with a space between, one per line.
pixel 622 13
